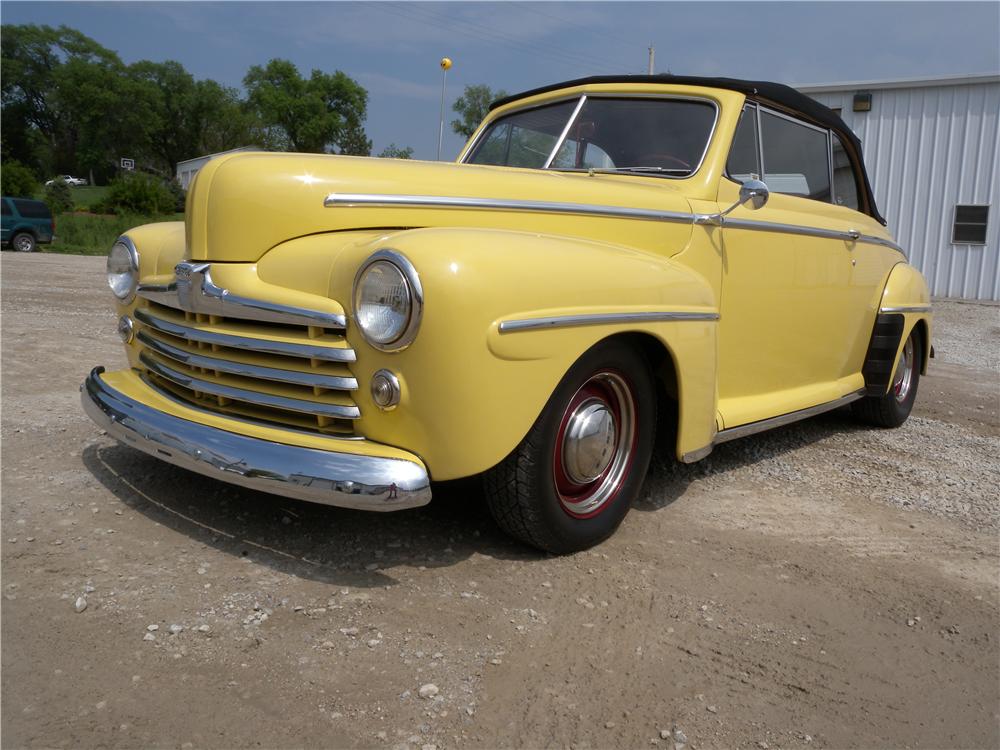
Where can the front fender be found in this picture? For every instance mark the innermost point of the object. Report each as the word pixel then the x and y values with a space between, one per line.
pixel 469 392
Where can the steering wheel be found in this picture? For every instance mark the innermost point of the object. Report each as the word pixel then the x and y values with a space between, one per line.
pixel 661 160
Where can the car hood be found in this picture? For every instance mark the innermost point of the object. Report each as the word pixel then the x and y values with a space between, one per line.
pixel 242 205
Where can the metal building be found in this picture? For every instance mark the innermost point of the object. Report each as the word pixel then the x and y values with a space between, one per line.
pixel 932 149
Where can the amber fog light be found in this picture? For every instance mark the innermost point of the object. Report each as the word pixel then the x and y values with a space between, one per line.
pixel 126 329
pixel 385 390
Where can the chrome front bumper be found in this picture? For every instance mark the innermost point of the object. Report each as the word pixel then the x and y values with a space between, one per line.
pixel 345 480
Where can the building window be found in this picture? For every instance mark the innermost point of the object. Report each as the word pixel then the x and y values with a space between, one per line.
pixel 970 225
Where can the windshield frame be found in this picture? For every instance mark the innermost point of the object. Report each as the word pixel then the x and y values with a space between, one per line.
pixel 581 99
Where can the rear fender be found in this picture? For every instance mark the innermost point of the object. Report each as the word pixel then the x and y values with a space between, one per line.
pixel 904 308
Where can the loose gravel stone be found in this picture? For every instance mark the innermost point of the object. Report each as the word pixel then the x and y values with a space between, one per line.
pixel 428 691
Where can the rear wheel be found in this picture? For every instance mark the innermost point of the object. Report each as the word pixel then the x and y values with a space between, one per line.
pixel 23 242
pixel 892 409
pixel 573 478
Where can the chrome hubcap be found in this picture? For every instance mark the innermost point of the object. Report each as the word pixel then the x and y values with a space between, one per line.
pixel 589 444
pixel 595 444
pixel 23 244
pixel 903 380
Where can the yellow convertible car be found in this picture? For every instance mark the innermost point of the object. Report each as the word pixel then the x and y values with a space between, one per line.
pixel 611 260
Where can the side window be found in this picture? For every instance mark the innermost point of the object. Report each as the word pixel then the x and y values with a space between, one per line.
pixel 6 208
pixel 796 157
pixel 845 180
pixel 744 158
pixel 32 209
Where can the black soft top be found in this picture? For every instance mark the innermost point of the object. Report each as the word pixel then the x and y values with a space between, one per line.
pixel 775 95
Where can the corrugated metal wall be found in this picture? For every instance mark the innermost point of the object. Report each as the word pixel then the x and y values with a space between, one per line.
pixel 927 149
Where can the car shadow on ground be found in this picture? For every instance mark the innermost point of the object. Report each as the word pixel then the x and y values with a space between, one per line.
pixel 360 549
pixel 669 479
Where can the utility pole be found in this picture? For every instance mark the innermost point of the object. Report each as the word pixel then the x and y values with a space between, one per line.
pixel 652 54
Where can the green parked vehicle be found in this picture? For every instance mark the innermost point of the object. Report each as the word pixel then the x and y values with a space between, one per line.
pixel 26 224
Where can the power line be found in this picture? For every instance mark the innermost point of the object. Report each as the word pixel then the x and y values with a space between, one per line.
pixel 603 34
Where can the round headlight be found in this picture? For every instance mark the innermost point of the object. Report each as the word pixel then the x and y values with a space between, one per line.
pixel 388 301
pixel 123 269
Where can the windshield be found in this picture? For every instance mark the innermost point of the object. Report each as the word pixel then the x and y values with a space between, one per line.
pixel 660 137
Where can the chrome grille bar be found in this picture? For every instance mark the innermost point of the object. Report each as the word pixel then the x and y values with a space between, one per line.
pixel 334 411
pixel 267 346
pixel 310 379
pixel 194 291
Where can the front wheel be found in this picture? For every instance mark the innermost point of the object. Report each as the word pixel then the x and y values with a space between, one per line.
pixel 892 409
pixel 572 480
pixel 23 242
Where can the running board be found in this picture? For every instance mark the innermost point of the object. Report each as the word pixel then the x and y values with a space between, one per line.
pixel 766 424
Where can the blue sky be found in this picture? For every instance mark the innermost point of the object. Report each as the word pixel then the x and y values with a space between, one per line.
pixel 393 48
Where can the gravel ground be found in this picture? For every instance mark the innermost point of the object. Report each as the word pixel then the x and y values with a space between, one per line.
pixel 967 334
pixel 821 585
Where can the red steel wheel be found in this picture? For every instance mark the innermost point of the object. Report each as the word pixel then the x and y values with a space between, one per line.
pixel 595 444
pixel 572 479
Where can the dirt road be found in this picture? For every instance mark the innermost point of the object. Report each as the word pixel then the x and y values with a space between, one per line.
pixel 823 585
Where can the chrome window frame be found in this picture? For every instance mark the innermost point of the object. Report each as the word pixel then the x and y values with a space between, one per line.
pixel 858 191
pixel 747 106
pixel 583 97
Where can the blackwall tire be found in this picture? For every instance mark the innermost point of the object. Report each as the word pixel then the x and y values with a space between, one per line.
pixel 571 481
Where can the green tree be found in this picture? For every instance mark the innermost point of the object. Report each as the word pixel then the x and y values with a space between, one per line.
pixel 58 197
pixel 186 118
pixel 140 193
pixel 64 99
pixel 473 105
pixel 392 151
pixel 315 114
pixel 17 180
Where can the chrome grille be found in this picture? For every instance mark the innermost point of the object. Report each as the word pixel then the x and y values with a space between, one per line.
pixel 285 373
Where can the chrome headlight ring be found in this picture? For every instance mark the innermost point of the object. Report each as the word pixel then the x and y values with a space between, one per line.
pixel 123 269
pixel 415 298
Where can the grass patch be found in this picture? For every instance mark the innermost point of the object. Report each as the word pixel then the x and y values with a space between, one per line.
pixel 85 197
pixel 94 234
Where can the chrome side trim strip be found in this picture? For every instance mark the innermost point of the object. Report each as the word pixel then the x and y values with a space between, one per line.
pixel 267 346
pixel 906 309
pixel 588 209
pixel 502 204
pixel 327 477
pixel 570 321
pixel 766 424
pixel 310 379
pixel 769 226
pixel 868 239
pixel 335 411
pixel 192 290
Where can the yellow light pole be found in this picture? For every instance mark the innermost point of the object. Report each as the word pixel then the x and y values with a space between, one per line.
pixel 445 64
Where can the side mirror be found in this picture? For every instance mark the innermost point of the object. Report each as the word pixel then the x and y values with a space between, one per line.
pixel 753 195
